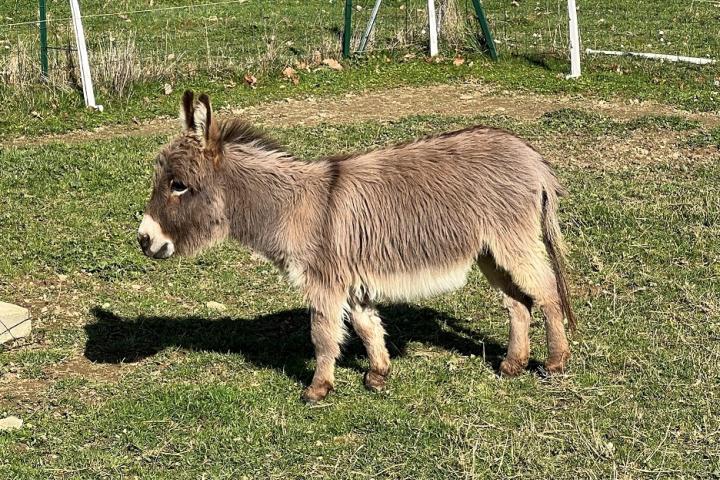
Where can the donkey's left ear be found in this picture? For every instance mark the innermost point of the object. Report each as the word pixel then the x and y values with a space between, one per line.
pixel 204 122
pixel 186 110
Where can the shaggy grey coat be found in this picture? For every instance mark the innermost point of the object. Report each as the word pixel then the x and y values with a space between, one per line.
pixel 393 224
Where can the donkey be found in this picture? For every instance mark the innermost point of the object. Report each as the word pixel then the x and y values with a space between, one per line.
pixel 392 224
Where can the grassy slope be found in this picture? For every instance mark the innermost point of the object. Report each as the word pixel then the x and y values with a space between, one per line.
pixel 218 392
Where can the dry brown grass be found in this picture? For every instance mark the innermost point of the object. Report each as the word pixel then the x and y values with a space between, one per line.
pixel 453 28
pixel 401 27
pixel 116 64
pixel 19 67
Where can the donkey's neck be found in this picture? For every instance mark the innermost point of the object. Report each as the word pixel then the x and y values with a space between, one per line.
pixel 273 201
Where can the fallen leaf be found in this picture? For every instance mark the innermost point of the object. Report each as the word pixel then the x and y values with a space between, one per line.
pixel 332 63
pixel 289 72
pixel 251 80
pixel 458 61
pixel 291 75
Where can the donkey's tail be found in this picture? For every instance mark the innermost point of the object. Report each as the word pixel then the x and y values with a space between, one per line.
pixel 555 246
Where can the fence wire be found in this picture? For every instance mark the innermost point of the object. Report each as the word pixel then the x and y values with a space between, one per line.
pixel 162 40
pixel 669 27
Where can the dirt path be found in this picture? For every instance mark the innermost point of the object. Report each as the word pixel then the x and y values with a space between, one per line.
pixel 451 99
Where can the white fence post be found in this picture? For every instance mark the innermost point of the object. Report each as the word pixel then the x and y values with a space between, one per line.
pixel 432 25
pixel 574 41
pixel 85 77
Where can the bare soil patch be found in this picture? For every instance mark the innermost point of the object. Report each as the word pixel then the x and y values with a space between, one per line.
pixel 611 153
pixel 445 99
pixel 15 390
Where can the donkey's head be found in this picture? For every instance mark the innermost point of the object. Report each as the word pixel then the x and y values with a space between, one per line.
pixel 186 211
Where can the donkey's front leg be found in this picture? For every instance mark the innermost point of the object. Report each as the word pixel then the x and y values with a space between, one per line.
pixel 328 332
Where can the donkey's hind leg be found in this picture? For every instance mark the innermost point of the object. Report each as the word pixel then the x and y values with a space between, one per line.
pixel 368 326
pixel 519 306
pixel 531 270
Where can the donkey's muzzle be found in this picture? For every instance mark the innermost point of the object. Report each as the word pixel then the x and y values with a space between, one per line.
pixel 152 240
pixel 165 250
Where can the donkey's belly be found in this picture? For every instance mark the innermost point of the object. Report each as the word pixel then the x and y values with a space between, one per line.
pixel 414 285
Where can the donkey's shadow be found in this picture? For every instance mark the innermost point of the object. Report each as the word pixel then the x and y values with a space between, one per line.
pixel 279 340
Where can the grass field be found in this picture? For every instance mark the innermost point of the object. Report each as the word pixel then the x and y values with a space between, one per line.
pixel 129 373
pixel 133 371
pixel 135 55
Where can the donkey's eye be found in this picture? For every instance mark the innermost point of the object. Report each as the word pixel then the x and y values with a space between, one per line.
pixel 177 187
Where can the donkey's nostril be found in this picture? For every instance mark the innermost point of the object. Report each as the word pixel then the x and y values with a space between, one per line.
pixel 144 240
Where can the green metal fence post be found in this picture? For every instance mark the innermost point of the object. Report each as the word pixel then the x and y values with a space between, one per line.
pixel 43 40
pixel 480 12
pixel 347 31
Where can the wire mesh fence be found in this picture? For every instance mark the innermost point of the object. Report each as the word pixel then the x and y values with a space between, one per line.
pixel 161 40
pixel 668 27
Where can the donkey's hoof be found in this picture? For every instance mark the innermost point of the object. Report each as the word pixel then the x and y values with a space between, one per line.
pixel 512 368
pixel 557 363
pixel 314 394
pixel 375 381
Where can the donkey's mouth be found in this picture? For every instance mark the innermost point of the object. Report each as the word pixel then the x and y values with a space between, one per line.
pixel 165 251
pixel 152 240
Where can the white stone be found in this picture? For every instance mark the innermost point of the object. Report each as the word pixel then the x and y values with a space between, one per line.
pixel 10 423
pixel 14 322
pixel 217 306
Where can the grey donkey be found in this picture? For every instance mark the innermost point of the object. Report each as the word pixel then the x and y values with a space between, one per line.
pixel 393 224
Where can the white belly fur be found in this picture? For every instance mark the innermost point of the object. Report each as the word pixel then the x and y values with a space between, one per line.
pixel 415 285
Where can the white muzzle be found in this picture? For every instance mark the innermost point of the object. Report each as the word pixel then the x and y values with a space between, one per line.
pixel 152 239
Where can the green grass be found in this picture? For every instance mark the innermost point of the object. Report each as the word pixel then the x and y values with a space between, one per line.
pixel 707 138
pixel 179 390
pixel 212 48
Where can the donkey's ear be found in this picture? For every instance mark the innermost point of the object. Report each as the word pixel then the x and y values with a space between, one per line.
pixel 187 110
pixel 205 124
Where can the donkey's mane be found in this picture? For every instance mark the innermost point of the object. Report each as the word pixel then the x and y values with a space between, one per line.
pixel 237 131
